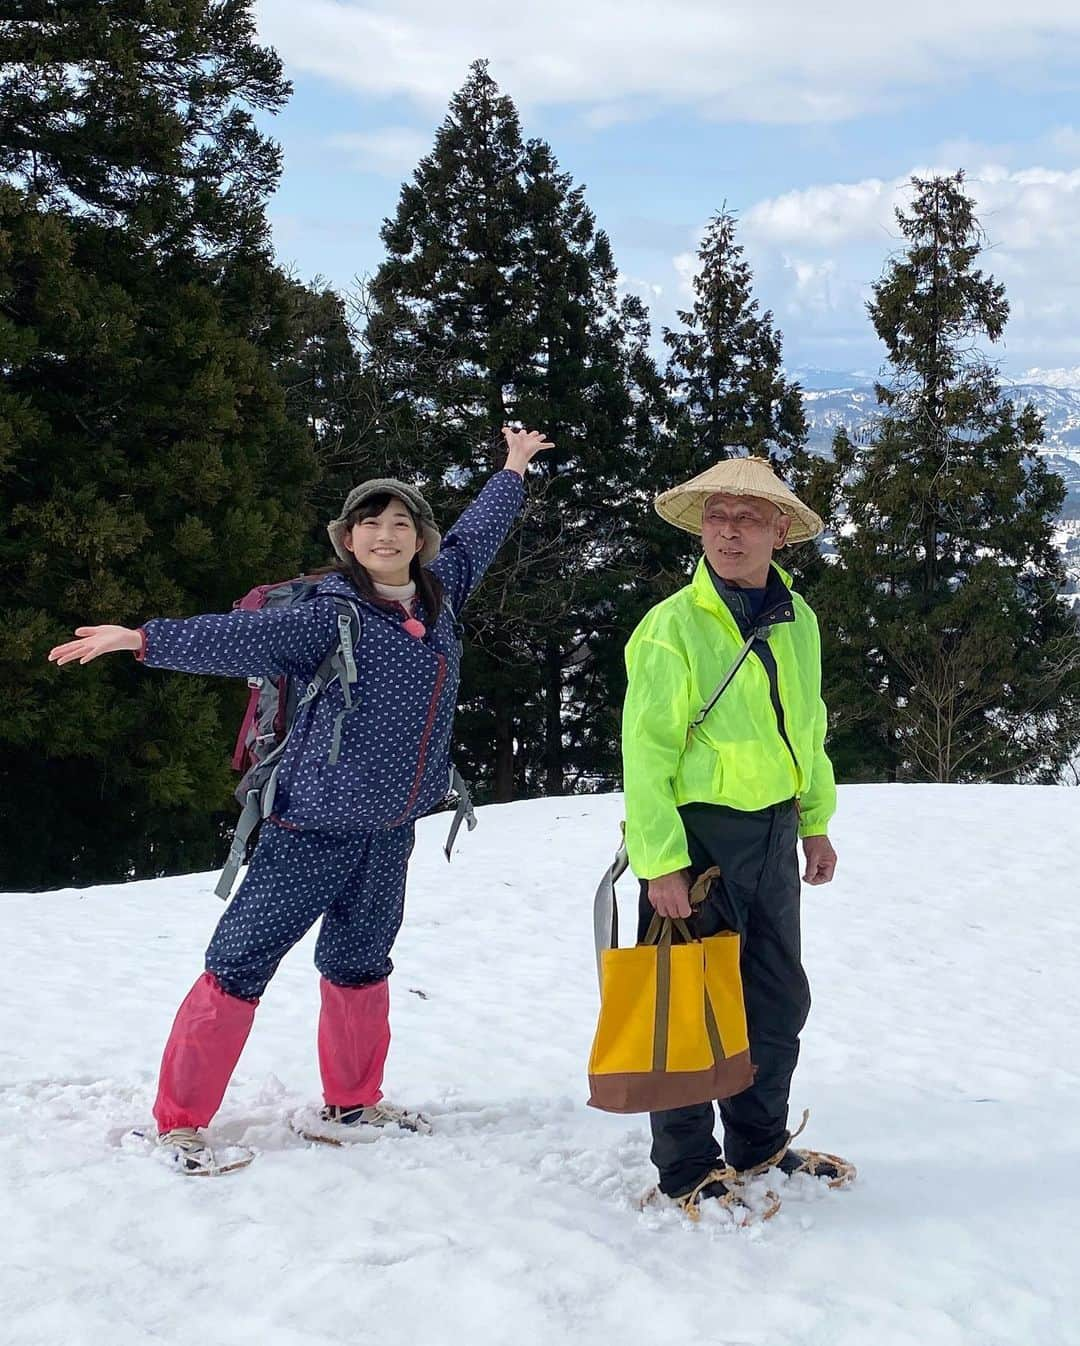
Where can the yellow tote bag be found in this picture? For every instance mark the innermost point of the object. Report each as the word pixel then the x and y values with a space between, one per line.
pixel 672 1027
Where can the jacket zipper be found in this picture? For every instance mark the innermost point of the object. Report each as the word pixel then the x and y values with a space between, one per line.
pixel 425 737
pixel 769 665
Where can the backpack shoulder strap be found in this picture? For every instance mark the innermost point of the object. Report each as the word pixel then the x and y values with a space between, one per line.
pixel 463 813
pixel 455 620
pixel 349 626
pixel 339 662
pixel 340 659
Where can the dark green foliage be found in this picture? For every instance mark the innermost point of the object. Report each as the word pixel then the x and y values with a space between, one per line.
pixel 498 302
pixel 136 113
pixel 725 376
pixel 178 419
pixel 725 366
pixel 329 392
pixel 147 462
pixel 953 653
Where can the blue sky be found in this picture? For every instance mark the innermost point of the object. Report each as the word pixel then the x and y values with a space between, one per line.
pixel 806 124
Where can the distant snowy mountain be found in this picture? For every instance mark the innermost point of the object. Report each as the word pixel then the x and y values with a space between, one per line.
pixel 853 404
pixel 813 379
pixel 1053 378
pixel 847 399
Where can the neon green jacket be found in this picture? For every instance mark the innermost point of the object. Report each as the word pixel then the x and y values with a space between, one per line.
pixel 674 660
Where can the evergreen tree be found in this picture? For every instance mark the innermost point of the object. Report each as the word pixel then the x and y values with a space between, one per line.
pixel 147 462
pixel 329 393
pixel 725 364
pixel 497 302
pixel 725 376
pixel 136 113
pixel 946 598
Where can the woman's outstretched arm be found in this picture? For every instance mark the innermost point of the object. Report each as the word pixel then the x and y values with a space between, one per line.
pixel 470 546
pixel 231 644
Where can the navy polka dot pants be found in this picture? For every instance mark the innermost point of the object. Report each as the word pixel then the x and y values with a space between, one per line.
pixel 355 882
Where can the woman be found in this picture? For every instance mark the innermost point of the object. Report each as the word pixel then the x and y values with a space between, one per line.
pixel 349 789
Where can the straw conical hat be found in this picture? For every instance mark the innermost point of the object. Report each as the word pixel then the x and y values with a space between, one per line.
pixel 683 505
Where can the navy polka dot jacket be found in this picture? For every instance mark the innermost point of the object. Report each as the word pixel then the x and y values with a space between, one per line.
pixel 394 760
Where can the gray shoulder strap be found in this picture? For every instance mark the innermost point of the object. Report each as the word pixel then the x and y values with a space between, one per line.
pixel 463 813
pixel 606 908
pixel 760 633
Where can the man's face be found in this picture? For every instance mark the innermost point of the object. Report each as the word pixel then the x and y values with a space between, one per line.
pixel 739 534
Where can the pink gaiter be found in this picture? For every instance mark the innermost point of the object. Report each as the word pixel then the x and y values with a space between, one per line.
pixel 354 1038
pixel 208 1035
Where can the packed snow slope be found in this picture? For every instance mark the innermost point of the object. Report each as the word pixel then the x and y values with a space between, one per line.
pixel 941 1056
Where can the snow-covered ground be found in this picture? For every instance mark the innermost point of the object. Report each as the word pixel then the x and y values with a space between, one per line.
pixel 941 1056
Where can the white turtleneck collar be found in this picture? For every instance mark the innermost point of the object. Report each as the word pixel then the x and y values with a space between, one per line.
pixel 397 593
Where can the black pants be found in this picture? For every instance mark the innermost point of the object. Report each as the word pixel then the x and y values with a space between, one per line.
pixel 758 896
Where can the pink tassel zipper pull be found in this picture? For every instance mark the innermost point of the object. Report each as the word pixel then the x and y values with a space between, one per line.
pixel 415 628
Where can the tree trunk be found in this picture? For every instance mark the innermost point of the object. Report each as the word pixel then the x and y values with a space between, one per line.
pixel 504 751
pixel 553 731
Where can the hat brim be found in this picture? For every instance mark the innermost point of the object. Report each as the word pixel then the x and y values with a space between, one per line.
pixel 683 506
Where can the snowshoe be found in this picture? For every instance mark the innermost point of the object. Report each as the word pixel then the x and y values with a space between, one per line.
pixel 829 1168
pixel 724 1187
pixel 333 1125
pixel 187 1151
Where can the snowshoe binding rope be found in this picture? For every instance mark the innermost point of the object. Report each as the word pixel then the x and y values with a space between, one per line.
pixel 348 1126
pixel 724 1187
pixel 828 1168
pixel 727 1186
pixel 188 1152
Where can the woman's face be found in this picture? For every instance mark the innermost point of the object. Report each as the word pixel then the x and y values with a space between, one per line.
pixel 386 543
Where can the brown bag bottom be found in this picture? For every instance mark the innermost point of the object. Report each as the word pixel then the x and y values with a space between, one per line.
pixel 658 1090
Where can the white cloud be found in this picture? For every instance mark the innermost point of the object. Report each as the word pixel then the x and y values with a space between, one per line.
pixel 827 215
pixel 647 289
pixel 390 150
pixel 1052 378
pixel 1058 147
pixel 1066 140
pixel 685 264
pixel 780 61
pixel 816 252
pixel 815 284
pixel 1024 210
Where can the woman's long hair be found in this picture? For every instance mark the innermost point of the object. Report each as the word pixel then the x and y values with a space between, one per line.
pixel 429 587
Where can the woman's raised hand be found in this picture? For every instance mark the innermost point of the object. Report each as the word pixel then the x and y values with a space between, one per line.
pixel 95 640
pixel 523 446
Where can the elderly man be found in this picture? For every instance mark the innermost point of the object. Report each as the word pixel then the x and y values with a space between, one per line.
pixel 733 781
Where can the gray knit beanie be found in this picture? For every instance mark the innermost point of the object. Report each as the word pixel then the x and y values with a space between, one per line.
pixel 409 495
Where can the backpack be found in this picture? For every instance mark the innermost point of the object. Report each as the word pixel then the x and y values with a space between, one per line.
pixel 273 706
pixel 274 702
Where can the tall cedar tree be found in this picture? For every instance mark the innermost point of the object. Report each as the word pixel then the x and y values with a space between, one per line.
pixel 147 463
pixel 328 391
pixel 725 376
pixel 498 302
pixel 956 651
